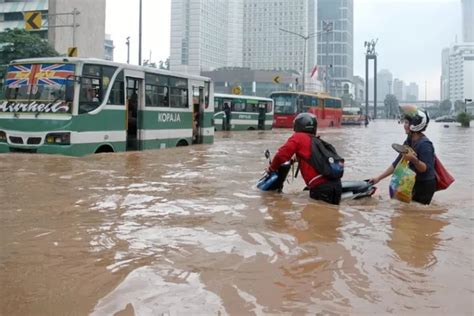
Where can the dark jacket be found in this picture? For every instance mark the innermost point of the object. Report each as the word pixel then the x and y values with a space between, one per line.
pixel 425 152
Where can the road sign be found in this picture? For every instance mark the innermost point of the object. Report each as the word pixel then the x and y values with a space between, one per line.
pixel 72 52
pixel 33 20
pixel 236 90
pixel 276 79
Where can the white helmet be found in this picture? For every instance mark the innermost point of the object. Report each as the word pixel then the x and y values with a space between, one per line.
pixel 417 118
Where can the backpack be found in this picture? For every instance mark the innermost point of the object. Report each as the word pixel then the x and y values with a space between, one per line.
pixel 325 159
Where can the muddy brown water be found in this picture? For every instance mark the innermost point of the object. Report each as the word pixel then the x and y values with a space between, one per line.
pixel 184 231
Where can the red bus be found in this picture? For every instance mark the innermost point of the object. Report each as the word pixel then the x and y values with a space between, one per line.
pixel 288 104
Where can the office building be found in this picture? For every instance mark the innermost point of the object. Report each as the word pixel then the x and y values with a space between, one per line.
pixel 399 89
pixel 88 36
pixel 412 92
pixel 336 48
pixel 468 21
pixel 205 35
pixel 384 84
pixel 273 35
pixel 461 72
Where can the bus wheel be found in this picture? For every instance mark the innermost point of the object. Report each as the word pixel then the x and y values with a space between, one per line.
pixel 182 143
pixel 331 124
pixel 250 129
pixel 104 149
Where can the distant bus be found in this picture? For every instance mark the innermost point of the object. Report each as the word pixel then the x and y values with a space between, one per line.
pixel 76 106
pixel 246 112
pixel 288 104
pixel 352 116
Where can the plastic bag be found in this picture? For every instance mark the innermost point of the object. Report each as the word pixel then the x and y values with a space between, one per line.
pixel 402 182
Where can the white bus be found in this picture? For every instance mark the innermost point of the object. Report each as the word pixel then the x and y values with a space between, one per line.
pixel 242 112
pixel 77 106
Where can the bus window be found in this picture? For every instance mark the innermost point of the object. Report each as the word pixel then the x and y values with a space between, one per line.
pixel 269 107
pixel 117 93
pixel 251 106
pixel 284 103
pixel 90 95
pixel 178 93
pixel 156 90
pixel 94 83
pixel 332 103
pixel 238 105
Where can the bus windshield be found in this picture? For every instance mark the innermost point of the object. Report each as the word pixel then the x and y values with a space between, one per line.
pixel 284 103
pixel 38 88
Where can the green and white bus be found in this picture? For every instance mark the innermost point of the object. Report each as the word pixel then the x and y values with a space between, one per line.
pixel 242 112
pixel 79 106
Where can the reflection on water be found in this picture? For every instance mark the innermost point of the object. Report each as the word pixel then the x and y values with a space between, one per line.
pixel 185 231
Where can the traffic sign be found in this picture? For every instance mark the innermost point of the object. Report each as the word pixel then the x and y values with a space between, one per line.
pixel 72 52
pixel 237 90
pixel 276 79
pixel 33 20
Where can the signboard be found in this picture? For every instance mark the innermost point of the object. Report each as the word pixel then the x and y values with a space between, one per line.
pixel 276 79
pixel 72 52
pixel 33 20
pixel 236 90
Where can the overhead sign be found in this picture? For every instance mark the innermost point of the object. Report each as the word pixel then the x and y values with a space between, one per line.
pixel 33 20
pixel 72 52
pixel 236 90
pixel 276 79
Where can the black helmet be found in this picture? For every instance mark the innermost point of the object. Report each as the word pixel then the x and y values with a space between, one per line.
pixel 306 123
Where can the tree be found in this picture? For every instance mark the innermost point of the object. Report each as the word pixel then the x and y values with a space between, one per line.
pixel 165 64
pixel 445 106
pixel 459 106
pixel 391 105
pixel 17 44
pixel 464 118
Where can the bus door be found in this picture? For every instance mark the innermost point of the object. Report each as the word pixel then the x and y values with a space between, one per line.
pixel 322 107
pixel 262 111
pixel 134 104
pixel 198 114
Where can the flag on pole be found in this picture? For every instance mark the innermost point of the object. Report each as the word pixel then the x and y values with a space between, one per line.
pixel 314 71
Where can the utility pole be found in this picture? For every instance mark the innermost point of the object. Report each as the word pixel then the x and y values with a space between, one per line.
pixel 305 38
pixel 140 35
pixel 128 49
pixel 327 28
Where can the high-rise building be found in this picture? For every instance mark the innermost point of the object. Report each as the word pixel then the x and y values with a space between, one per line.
pixel 468 20
pixel 398 89
pixel 359 89
pixel 444 84
pixel 336 48
pixel 384 84
pixel 208 34
pixel 412 92
pixel 109 48
pixel 88 36
pixel 461 72
pixel 205 35
pixel 274 32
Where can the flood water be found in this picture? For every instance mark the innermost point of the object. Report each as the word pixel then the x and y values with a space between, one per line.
pixel 184 231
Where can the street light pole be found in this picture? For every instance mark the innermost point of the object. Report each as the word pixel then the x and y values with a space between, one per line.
pixel 305 38
pixel 140 36
pixel 327 28
pixel 128 49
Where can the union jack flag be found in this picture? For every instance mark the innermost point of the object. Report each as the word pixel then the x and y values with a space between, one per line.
pixel 38 74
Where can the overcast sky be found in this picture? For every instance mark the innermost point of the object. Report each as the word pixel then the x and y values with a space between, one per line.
pixel 411 34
